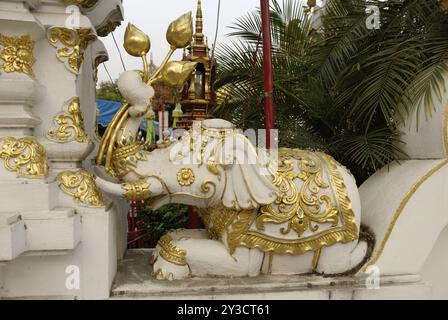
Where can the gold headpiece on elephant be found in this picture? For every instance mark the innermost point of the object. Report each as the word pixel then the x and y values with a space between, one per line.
pixel 227 152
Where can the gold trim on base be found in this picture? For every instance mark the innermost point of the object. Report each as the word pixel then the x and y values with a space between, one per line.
pixel 170 252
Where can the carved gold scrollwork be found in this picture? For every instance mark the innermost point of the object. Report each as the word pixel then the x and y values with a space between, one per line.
pixel 70 125
pixel 346 231
pixel 17 54
pixel 299 208
pixel 82 187
pixel 70 45
pixel 25 156
pixel 320 198
pixel 170 252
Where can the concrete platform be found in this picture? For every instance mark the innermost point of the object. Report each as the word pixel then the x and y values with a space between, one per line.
pixel 135 281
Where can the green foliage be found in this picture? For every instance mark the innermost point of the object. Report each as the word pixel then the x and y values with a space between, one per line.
pixel 343 89
pixel 155 224
pixel 109 91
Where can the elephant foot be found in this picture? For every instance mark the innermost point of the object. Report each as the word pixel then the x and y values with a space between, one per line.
pixel 169 261
pixel 186 253
pixel 164 270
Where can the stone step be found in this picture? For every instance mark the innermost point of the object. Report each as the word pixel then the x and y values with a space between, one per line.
pixel 58 229
pixel 38 231
pixel 12 236
pixel 135 281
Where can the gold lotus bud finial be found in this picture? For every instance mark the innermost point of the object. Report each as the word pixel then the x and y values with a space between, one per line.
pixel 176 73
pixel 136 42
pixel 180 31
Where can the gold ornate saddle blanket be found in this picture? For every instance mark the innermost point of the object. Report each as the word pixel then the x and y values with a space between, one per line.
pixel 312 210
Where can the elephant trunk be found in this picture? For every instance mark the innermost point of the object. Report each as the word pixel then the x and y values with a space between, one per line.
pixel 134 190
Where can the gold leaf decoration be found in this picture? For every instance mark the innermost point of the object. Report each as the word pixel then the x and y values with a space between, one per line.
pixel 300 209
pixel 70 125
pixel 71 45
pixel 17 54
pixel 346 231
pixel 330 209
pixel 82 187
pixel 26 156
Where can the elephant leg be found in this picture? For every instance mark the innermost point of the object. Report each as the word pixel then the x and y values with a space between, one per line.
pixel 207 257
pixel 341 258
pixel 336 259
pixel 211 258
pixel 165 270
pixel 288 264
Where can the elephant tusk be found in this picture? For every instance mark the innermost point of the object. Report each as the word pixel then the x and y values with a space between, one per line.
pixel 110 187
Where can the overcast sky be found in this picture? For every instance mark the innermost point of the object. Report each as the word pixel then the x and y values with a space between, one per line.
pixel 154 16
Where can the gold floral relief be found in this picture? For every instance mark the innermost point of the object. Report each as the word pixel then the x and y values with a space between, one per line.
pixel 17 54
pixel 70 125
pixel 25 156
pixel 71 45
pixel 82 187
pixel 170 252
pixel 185 177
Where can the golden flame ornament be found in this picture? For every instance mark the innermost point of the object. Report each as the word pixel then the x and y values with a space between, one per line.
pixel 136 42
pixel 180 31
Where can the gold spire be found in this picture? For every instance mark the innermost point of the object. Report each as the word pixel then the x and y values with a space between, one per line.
pixel 199 36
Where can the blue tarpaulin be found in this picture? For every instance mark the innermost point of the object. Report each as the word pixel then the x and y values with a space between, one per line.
pixel 108 109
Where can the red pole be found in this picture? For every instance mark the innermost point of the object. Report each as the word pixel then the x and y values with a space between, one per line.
pixel 267 71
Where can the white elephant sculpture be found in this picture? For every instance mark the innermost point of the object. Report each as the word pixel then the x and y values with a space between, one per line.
pixel 295 215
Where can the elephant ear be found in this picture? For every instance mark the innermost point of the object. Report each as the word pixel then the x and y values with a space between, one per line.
pixel 248 178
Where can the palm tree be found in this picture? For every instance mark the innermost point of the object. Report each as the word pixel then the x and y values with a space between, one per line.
pixel 344 87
